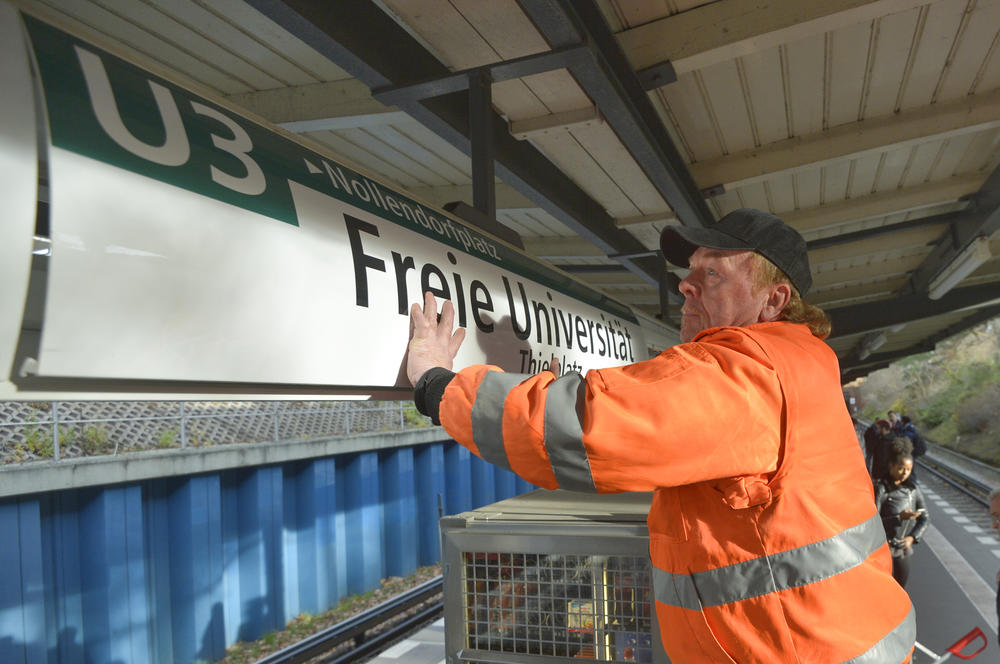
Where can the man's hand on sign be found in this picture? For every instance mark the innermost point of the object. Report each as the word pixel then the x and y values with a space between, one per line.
pixel 432 342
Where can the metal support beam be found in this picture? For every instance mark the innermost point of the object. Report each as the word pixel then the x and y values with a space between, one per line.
pixel 370 46
pixel 481 136
pixel 871 316
pixel 981 218
pixel 609 80
pixel 505 70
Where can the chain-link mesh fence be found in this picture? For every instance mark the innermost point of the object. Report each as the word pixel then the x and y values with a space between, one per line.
pixel 32 431
pixel 565 606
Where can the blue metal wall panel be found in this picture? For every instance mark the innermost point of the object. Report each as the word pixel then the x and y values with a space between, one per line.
pixel 176 569
pixel 483 485
pixel 253 509
pixel 430 490
pixel 22 608
pixel 458 476
pixel 522 486
pixel 194 568
pixel 61 542
pixel 111 537
pixel 399 511
pixel 505 482
pixel 359 478
pixel 158 494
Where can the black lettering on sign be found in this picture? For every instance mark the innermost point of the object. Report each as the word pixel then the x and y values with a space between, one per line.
pixel 362 261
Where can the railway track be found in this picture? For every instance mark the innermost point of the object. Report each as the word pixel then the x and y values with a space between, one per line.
pixel 956 478
pixel 368 633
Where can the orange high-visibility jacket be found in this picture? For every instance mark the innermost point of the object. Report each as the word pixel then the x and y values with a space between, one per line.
pixel 764 538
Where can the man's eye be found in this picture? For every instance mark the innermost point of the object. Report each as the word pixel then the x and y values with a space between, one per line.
pixel 711 272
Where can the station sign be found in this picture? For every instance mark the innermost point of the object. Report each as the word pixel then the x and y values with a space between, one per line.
pixel 192 246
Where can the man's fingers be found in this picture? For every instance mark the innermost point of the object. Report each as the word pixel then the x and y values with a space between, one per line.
pixel 430 306
pixel 456 341
pixel 447 320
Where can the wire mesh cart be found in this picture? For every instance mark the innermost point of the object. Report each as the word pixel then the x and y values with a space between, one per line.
pixel 550 576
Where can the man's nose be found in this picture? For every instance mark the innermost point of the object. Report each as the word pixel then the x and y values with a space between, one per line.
pixel 686 287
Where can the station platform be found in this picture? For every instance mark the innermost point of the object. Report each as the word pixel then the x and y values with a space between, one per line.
pixel 952 584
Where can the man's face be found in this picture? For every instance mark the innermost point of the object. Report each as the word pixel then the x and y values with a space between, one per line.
pixel 893 418
pixel 718 292
pixel 995 514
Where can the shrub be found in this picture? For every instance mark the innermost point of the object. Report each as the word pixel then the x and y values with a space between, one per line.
pixel 979 412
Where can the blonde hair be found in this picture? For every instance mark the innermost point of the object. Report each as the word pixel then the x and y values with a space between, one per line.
pixel 766 273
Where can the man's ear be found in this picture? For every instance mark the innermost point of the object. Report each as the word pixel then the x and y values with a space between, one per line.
pixel 778 297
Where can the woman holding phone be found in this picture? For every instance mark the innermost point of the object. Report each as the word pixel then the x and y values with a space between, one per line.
pixel 901 506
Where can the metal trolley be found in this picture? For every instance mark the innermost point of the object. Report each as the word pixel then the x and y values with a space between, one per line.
pixel 550 576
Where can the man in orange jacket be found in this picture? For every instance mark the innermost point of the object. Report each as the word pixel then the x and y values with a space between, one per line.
pixel 764 539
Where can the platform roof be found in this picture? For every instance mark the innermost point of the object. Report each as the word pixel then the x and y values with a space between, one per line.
pixel 872 126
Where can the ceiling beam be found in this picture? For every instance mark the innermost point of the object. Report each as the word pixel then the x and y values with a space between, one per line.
pixel 316 103
pixel 555 122
pixel 866 234
pixel 855 368
pixel 822 297
pixel 882 203
pixel 872 316
pixel 665 217
pixel 902 241
pixel 727 29
pixel 922 125
pixel 557 246
pixel 370 46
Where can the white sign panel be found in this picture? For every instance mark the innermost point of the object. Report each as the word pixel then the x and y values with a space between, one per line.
pixel 194 246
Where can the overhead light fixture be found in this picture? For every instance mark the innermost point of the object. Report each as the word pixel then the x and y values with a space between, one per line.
pixel 974 255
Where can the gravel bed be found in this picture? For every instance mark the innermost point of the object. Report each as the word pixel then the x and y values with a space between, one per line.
pixel 247 652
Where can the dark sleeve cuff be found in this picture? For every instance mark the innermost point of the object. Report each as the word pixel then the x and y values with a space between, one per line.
pixel 429 391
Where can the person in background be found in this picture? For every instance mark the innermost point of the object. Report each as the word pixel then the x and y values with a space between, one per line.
pixel 994 500
pixel 763 533
pixel 908 429
pixel 895 423
pixel 877 439
pixel 901 506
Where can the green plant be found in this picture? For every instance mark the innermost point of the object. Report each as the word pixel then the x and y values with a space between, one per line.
pixel 37 440
pixel 95 440
pixel 167 438
pixel 413 418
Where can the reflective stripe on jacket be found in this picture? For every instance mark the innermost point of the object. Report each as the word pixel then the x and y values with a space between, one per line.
pixel 763 530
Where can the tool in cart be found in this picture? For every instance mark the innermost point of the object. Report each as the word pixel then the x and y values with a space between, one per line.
pixel 957 647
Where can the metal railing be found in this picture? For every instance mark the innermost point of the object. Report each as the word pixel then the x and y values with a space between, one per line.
pixel 60 430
